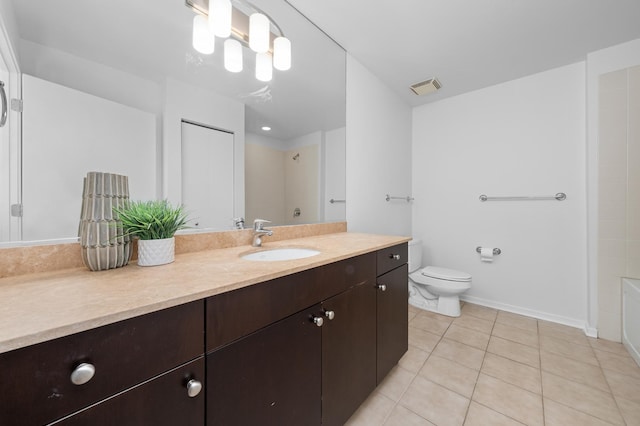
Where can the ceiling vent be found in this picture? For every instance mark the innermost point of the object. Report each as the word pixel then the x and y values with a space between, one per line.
pixel 426 87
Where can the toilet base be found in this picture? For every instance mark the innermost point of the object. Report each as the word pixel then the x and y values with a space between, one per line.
pixel 444 305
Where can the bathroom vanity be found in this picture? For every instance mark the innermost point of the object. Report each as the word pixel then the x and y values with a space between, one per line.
pixel 281 343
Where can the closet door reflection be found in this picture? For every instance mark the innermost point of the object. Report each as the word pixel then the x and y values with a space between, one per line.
pixel 207 176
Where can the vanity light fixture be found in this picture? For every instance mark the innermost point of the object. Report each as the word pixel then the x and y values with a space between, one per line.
pixel 241 24
pixel 266 128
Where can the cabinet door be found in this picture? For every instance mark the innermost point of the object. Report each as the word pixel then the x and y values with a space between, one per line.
pixel 270 377
pixel 348 352
pixel 163 400
pixel 393 335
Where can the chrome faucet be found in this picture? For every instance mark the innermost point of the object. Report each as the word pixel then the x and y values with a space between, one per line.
pixel 259 232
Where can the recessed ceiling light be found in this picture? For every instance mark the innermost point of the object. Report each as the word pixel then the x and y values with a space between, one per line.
pixel 266 128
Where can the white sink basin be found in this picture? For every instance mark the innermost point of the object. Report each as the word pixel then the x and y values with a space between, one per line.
pixel 275 254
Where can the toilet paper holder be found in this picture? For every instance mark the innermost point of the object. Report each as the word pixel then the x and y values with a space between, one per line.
pixel 496 251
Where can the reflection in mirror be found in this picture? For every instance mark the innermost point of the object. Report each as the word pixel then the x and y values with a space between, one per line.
pixel 112 91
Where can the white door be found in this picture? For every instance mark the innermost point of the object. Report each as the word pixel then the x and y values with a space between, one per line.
pixel 207 176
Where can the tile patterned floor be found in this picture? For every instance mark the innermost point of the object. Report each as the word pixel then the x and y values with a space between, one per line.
pixel 490 367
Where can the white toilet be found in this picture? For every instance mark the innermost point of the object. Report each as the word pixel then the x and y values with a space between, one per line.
pixel 432 288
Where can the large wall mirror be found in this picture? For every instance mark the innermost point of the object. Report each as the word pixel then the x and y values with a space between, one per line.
pixel 118 87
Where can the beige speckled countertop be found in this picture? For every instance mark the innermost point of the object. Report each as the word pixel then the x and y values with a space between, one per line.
pixel 39 307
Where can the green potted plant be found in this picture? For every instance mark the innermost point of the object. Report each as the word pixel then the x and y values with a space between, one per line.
pixel 154 223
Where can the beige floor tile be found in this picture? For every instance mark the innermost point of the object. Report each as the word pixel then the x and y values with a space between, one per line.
pixel 468 336
pixel 451 375
pixel 430 324
pixel 478 311
pixel 372 412
pixel 630 411
pixel 435 403
pixel 516 334
pixel 479 415
pixel 608 346
pixel 423 339
pixel 581 397
pixel 396 383
pixel 434 315
pixel 411 315
pixel 414 359
pixel 568 349
pixel 514 351
pixel 510 400
pixel 624 385
pixel 515 373
pixel 474 323
pixel 563 332
pixel 459 352
pixel 581 372
pixel 518 321
pixel 560 415
pixel 620 363
pixel 401 416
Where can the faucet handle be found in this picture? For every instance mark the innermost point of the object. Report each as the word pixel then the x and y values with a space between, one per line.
pixel 258 223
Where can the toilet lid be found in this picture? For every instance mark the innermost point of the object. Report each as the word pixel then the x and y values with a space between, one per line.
pixel 445 274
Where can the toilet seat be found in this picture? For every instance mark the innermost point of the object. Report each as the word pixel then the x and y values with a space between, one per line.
pixel 445 274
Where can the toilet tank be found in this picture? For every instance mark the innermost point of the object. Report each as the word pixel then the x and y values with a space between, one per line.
pixel 415 255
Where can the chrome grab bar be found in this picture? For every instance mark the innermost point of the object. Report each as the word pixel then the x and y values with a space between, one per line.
pixel 496 251
pixel 3 94
pixel 408 198
pixel 560 196
pixel 337 201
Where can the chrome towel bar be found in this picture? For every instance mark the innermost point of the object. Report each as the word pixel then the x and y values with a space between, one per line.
pixel 560 196
pixel 496 251
pixel 408 198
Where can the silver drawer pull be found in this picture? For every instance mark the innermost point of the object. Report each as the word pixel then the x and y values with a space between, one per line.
pixel 330 314
pixel 317 321
pixel 83 373
pixel 394 256
pixel 382 287
pixel 193 388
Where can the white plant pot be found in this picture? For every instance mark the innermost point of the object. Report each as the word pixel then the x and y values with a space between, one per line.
pixel 156 252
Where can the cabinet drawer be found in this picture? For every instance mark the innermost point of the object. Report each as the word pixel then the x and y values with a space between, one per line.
pixel 241 312
pixel 35 381
pixel 392 257
pixel 161 401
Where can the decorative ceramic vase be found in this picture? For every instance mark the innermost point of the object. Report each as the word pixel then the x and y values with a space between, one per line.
pixel 102 242
pixel 156 252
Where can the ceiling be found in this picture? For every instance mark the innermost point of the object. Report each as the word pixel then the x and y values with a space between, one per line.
pixel 470 44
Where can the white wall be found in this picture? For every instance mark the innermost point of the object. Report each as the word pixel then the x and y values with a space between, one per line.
pixel 525 137
pixel 378 155
pixel 334 175
pixel 67 133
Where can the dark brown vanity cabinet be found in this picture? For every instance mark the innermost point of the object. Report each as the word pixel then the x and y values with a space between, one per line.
pixel 392 307
pixel 308 348
pixel 37 382
pixel 304 349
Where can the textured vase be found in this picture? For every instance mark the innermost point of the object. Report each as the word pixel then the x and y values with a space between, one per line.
pixel 156 252
pixel 103 245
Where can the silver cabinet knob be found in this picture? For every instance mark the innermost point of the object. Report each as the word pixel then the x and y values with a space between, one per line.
pixel 83 373
pixel 394 256
pixel 330 314
pixel 382 287
pixel 318 321
pixel 193 388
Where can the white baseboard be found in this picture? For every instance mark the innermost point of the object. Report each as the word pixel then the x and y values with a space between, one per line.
pixel 589 331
